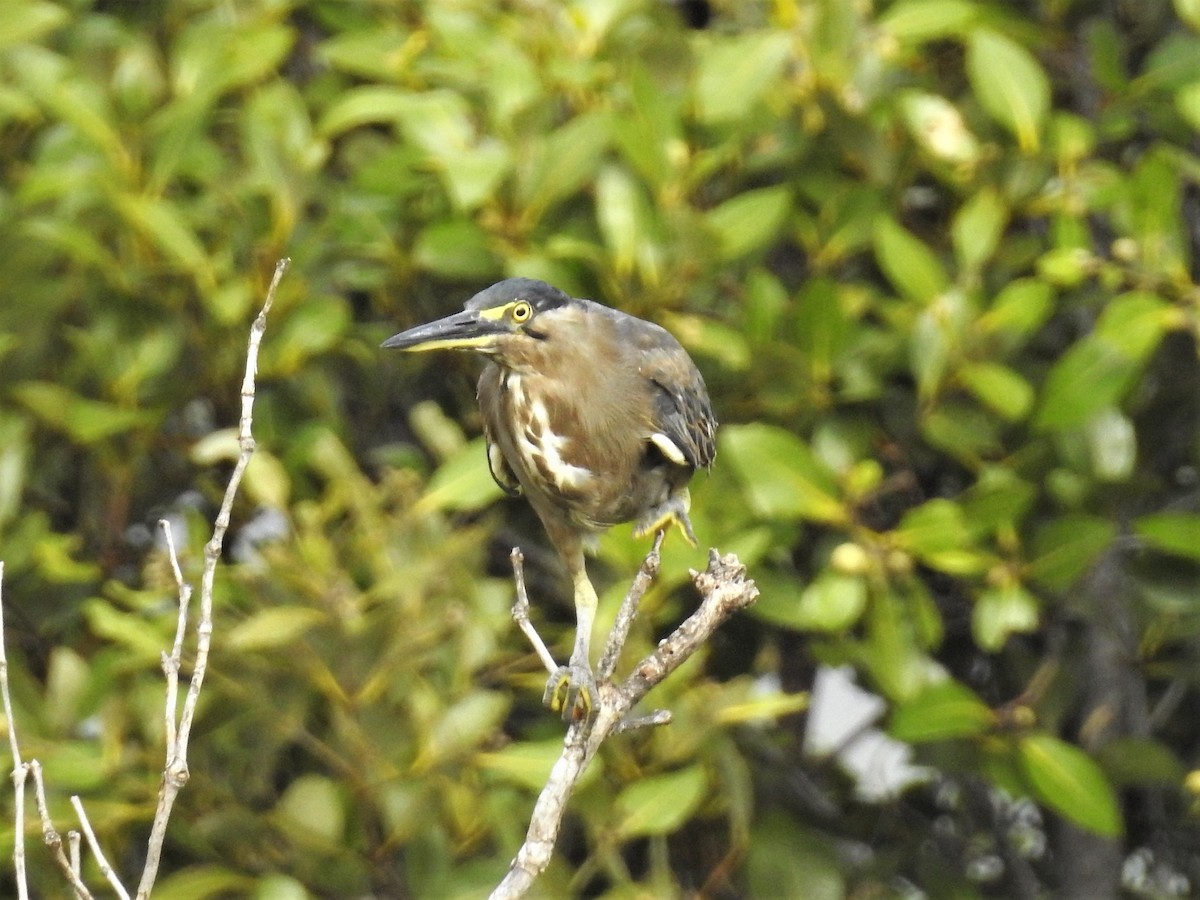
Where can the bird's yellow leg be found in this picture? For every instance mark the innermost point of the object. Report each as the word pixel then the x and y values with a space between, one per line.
pixel 571 691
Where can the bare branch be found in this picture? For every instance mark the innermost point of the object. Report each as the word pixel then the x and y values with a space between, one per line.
pixel 171 663
pixel 19 770
pixel 101 860
pixel 629 610
pixel 520 612
pixel 51 836
pixel 724 590
pixel 175 773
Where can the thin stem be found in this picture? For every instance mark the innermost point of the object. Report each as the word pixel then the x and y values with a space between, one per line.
pixel 520 613
pixel 101 860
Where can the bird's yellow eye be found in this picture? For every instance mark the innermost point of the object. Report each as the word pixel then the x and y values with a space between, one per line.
pixel 521 312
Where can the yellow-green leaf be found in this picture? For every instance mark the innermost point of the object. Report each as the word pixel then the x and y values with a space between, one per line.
pixel 660 804
pixel 1010 84
pixel 1064 777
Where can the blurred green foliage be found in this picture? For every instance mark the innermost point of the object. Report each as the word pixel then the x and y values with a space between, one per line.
pixel 937 260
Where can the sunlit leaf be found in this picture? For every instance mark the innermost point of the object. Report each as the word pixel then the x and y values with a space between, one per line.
pixel 748 221
pixel 1002 611
pixel 312 804
pixel 912 268
pixel 1010 84
pixel 202 882
pixel 917 21
pixel 84 420
pixel 939 712
pixel 463 482
pixel 272 627
pixel 735 72
pixel 999 388
pixel 1065 778
pixel 661 803
pixel 1177 533
pixel 781 476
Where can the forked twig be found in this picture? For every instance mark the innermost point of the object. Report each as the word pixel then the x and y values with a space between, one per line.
pixel 178 729
pixel 175 774
pixel 724 589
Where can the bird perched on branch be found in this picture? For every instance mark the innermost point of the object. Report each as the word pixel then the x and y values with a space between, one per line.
pixel 596 416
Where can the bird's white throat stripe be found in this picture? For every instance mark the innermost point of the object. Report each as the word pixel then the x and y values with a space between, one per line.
pixel 540 447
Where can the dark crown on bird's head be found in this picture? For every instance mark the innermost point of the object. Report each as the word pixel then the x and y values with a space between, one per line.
pixel 538 294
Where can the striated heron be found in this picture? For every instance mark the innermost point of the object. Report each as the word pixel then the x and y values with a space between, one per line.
pixel 596 416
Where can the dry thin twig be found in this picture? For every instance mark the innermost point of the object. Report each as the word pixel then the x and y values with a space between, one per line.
pixel 51 836
pixel 106 870
pixel 175 774
pixel 724 590
pixel 178 730
pixel 19 770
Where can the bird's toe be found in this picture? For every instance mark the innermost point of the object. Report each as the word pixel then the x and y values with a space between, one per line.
pixel 571 692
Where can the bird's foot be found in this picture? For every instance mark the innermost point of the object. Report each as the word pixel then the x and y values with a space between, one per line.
pixel 672 512
pixel 571 692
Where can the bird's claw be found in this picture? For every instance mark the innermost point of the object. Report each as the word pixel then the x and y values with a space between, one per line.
pixel 571 692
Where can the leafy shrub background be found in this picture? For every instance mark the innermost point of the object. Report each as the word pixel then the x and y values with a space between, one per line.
pixel 936 259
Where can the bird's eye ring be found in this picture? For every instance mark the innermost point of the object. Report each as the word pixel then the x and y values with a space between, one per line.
pixel 521 312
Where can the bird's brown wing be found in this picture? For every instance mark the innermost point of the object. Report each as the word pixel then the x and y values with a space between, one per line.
pixel 682 411
pixel 488 394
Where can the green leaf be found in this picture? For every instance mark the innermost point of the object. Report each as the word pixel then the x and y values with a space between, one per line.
pixel 462 728
pixel 312 805
pixel 203 882
pixel 623 214
pixel 472 175
pixel 77 766
pixel 526 763
pixel 832 602
pixel 462 483
pixel 1002 611
pixel 83 420
pixel 660 804
pixel 1177 533
pixel 455 249
pixel 139 639
pixel 999 388
pixel 977 228
pixel 308 330
pixel 563 162
pixel 27 22
pixel 918 21
pixel 213 56
pixel 1099 369
pixel 1188 11
pixel 912 268
pixel 163 224
pixel 934 530
pixel 937 125
pixel 279 626
pixel 1020 309
pixel 369 105
pixel 940 712
pixel 1010 85
pixel 1132 761
pixel 1065 778
pixel 734 72
pixel 781 476
pixel 749 221
pixel 998 499
pixel 1065 547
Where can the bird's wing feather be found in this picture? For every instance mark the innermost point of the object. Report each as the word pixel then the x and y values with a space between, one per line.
pixel 682 410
